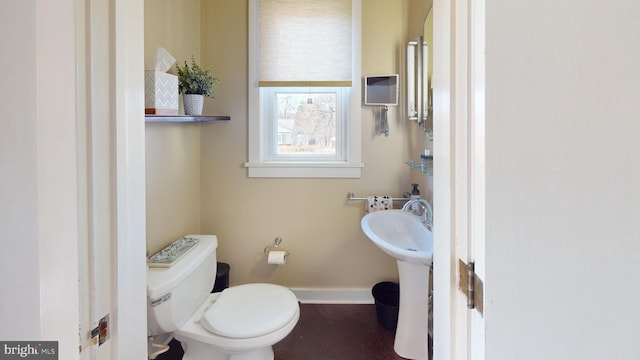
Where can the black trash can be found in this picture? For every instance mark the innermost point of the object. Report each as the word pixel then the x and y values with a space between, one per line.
pixel 222 277
pixel 387 298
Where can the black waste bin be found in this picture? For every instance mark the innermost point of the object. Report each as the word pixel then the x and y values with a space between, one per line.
pixel 387 298
pixel 222 277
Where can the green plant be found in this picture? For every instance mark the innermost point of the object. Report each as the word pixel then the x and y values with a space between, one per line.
pixel 195 80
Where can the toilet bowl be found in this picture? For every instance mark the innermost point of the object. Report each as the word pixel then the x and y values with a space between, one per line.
pixel 240 340
pixel 240 323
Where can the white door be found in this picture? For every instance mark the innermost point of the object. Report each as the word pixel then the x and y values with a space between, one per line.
pixel 110 129
pixel 459 175
pixel 475 165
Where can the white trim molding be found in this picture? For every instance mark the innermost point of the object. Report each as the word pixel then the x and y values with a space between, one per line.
pixel 334 295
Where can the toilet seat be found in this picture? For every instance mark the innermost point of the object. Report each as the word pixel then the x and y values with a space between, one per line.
pixel 193 331
pixel 251 310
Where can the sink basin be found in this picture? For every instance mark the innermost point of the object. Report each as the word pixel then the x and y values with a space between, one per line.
pixel 399 234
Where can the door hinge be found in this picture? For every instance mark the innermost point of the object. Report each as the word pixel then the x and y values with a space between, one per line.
pixel 471 285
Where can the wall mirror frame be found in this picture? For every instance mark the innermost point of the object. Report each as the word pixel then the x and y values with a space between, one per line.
pixel 417 65
pixel 419 94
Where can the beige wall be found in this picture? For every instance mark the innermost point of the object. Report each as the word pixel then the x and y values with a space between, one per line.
pixel 172 150
pixel 173 25
pixel 173 182
pixel 319 227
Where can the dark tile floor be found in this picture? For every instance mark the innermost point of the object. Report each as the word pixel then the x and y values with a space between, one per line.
pixel 330 332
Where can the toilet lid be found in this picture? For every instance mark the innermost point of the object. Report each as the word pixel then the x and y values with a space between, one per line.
pixel 250 310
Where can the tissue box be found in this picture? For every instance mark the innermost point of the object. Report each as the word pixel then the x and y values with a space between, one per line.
pixel 161 93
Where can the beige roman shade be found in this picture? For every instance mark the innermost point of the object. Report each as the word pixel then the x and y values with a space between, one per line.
pixel 304 43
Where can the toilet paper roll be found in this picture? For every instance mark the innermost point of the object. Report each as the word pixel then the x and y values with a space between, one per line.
pixel 277 257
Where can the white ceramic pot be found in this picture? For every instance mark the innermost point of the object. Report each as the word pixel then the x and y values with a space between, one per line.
pixel 193 104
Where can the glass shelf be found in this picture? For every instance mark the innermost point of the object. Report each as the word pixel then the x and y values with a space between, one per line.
pixel 423 167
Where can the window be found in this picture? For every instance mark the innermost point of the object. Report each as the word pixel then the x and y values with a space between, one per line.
pixel 304 112
pixel 308 123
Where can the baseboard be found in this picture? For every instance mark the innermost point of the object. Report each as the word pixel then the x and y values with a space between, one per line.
pixel 333 296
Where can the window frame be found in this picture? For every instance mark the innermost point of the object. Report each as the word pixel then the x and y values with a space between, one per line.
pixel 260 163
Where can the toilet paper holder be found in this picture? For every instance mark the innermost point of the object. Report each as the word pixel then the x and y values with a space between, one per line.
pixel 276 245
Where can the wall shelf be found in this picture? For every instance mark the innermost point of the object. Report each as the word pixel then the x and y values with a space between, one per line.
pixel 184 118
pixel 425 168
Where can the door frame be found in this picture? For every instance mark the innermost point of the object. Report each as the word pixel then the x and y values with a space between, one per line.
pixel 126 271
pixel 459 175
pixel 130 278
pixel 449 332
pixel 443 269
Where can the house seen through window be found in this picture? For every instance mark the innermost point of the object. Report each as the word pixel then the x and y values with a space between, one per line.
pixel 306 123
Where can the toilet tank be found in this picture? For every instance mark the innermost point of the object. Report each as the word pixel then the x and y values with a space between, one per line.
pixel 175 292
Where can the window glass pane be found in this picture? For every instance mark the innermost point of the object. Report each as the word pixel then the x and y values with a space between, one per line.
pixel 306 123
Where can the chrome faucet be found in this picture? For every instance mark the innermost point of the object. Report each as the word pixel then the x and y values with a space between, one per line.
pixel 425 211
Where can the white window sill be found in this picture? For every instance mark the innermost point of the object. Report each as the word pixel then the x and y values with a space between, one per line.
pixel 304 170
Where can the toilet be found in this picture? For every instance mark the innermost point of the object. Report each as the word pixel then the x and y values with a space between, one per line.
pixel 240 323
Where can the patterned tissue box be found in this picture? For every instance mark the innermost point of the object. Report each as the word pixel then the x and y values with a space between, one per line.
pixel 161 93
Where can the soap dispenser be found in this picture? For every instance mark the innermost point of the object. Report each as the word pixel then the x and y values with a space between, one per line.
pixel 415 192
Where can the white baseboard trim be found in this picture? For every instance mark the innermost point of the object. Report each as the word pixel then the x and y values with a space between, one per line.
pixel 333 296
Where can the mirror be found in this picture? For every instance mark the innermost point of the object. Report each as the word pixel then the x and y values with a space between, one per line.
pixel 417 79
pixel 427 34
pixel 419 94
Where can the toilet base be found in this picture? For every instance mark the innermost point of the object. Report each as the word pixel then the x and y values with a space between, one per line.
pixel 196 350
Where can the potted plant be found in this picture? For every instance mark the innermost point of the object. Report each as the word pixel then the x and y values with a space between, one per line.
pixel 194 83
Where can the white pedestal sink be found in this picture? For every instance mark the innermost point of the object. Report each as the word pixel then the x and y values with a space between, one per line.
pixel 403 236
